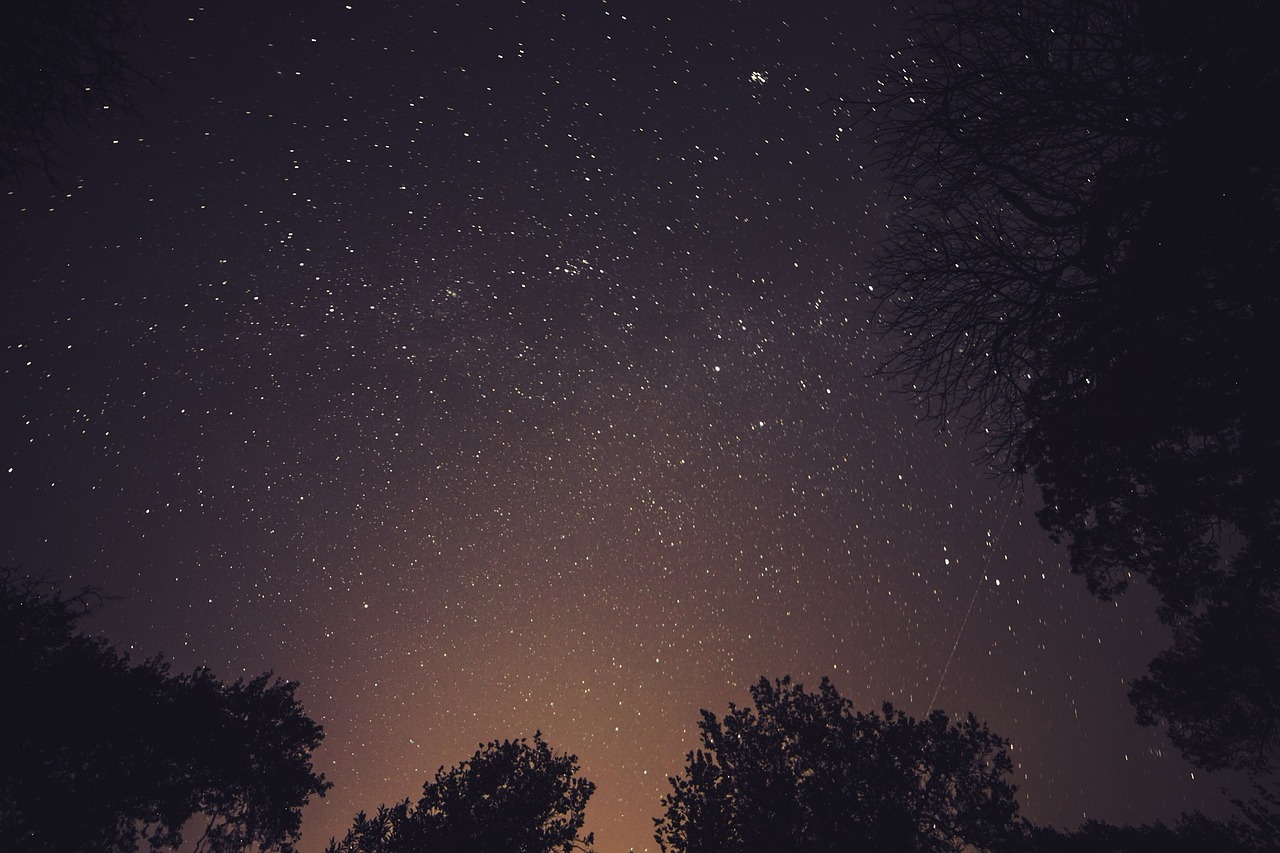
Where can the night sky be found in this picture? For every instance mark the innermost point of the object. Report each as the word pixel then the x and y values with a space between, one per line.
pixel 501 366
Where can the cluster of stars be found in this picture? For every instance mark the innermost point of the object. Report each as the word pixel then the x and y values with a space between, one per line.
pixel 507 374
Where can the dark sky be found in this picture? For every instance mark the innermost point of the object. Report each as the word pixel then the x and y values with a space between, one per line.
pixel 500 366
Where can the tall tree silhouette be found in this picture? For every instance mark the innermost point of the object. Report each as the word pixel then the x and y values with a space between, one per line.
pixel 801 771
pixel 512 796
pixel 1081 270
pixel 62 63
pixel 105 755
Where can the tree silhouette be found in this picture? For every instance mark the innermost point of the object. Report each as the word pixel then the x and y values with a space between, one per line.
pixel 1080 270
pixel 104 754
pixel 62 62
pixel 801 771
pixel 1193 834
pixel 512 796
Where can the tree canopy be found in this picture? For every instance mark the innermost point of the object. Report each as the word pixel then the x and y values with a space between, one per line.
pixel 106 755
pixel 1080 270
pixel 801 771
pixel 512 796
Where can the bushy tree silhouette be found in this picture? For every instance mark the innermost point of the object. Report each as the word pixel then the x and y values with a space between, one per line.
pixel 512 796
pixel 801 771
pixel 1080 269
pixel 104 754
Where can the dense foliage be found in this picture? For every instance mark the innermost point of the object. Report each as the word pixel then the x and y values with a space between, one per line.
pixel 801 771
pixel 106 755
pixel 512 796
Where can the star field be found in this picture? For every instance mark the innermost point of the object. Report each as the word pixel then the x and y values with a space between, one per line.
pixel 498 367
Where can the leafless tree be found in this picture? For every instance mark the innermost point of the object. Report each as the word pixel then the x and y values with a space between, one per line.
pixel 62 64
pixel 1080 269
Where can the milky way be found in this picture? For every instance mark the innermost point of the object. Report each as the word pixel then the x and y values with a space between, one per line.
pixel 501 367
